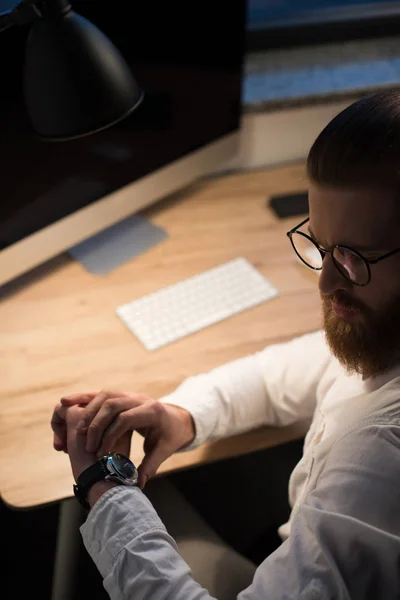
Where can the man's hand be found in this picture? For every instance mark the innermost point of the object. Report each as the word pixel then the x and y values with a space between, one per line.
pixel 66 437
pixel 64 423
pixel 111 417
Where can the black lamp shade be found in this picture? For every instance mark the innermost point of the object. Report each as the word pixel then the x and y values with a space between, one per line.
pixel 75 81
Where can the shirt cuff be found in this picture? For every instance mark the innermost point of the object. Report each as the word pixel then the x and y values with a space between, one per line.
pixel 200 412
pixel 109 526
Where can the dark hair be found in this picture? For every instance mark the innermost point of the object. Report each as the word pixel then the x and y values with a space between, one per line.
pixel 360 146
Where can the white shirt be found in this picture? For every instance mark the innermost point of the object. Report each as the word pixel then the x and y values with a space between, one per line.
pixel 343 537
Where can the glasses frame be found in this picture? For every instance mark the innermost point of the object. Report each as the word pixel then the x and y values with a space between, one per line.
pixel 324 251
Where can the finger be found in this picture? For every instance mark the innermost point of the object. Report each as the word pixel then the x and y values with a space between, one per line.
pixel 129 420
pixel 93 407
pixel 59 444
pixel 151 462
pixel 78 398
pixel 104 417
pixel 59 428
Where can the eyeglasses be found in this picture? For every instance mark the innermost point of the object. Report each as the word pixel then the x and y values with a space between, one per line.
pixel 350 263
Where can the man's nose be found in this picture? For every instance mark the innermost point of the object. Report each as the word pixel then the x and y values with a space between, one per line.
pixel 331 280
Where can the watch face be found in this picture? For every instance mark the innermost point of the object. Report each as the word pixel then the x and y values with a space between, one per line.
pixel 124 466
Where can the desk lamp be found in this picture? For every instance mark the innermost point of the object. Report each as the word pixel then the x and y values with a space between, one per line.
pixel 75 81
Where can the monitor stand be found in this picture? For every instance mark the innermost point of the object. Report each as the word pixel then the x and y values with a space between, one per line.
pixel 118 244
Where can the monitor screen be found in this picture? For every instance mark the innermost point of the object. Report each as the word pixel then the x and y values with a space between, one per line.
pixel 187 57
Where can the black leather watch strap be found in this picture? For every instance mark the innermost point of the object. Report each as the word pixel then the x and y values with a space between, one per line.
pixel 87 478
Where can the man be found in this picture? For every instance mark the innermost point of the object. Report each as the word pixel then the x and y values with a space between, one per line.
pixel 343 537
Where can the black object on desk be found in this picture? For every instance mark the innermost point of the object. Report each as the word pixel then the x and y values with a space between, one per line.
pixel 289 205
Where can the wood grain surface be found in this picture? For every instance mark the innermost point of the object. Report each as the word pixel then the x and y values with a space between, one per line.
pixel 60 334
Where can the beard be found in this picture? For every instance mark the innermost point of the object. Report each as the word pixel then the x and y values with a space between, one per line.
pixel 369 345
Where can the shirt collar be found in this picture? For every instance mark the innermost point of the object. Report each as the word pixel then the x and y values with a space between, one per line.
pixel 374 383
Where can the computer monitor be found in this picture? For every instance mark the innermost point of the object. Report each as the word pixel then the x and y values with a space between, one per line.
pixel 188 58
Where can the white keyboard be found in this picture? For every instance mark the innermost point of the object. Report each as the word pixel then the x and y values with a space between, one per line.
pixel 178 310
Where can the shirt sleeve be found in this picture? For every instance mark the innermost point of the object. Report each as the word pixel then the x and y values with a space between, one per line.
pixel 133 551
pixel 345 539
pixel 277 386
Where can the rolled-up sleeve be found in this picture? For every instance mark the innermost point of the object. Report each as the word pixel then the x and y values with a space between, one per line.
pixel 133 551
pixel 276 386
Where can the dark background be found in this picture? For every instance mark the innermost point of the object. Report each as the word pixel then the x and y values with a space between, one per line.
pixel 191 77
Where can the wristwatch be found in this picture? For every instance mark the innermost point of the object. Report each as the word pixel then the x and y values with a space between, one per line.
pixel 113 467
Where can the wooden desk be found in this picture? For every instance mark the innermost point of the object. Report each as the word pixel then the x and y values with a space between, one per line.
pixel 60 334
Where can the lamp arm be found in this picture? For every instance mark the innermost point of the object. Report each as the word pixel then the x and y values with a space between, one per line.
pixel 25 12
pixel 6 20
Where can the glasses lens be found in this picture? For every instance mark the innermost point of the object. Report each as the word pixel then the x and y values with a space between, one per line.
pixel 307 251
pixel 351 265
